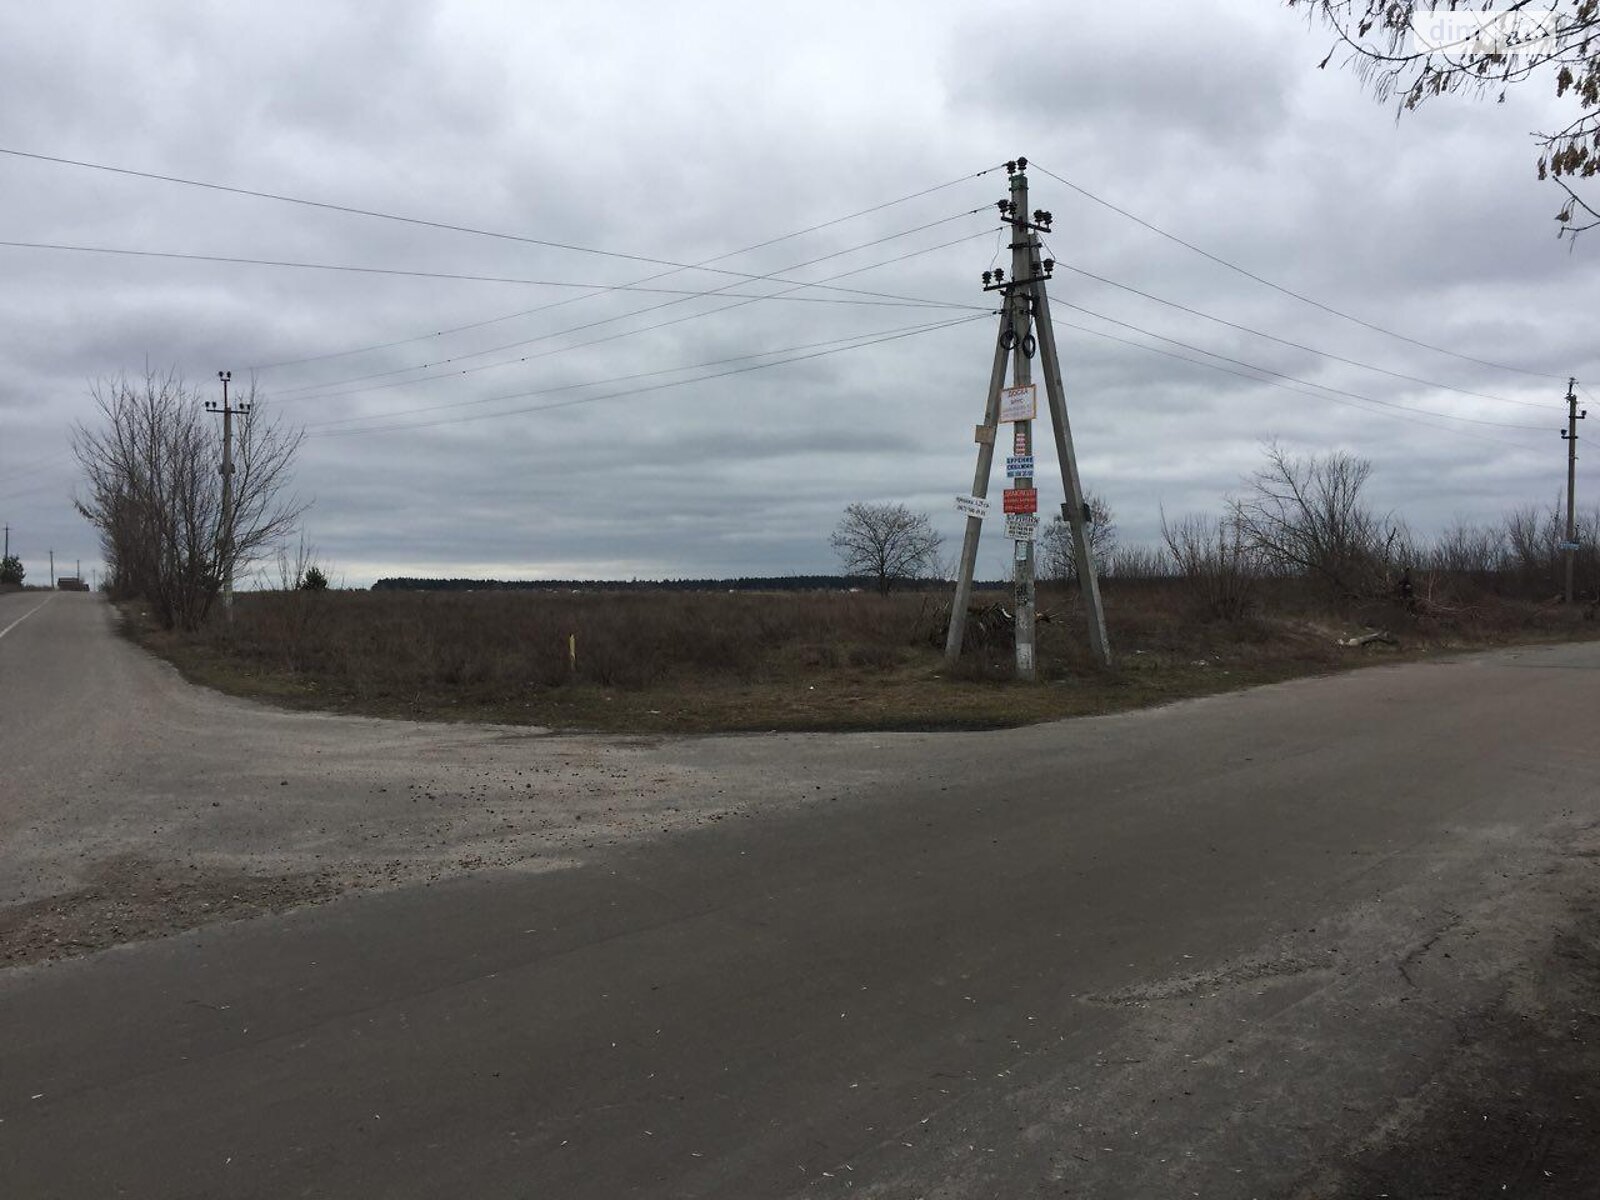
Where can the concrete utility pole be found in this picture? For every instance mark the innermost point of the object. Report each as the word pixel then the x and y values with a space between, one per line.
pixel 52 570
pixel 1073 510
pixel 1570 436
pixel 1023 346
pixel 225 548
pixel 7 554
pixel 1026 304
pixel 984 435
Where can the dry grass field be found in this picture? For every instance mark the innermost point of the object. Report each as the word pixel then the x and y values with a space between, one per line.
pixel 709 661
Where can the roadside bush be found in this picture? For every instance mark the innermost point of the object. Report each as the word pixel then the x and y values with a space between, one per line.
pixel 1217 563
pixel 1306 515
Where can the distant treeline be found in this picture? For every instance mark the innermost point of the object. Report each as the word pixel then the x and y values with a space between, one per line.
pixel 758 583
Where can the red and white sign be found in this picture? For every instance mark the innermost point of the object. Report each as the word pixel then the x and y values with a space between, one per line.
pixel 1021 500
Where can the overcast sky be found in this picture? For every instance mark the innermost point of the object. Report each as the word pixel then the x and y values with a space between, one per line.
pixel 687 131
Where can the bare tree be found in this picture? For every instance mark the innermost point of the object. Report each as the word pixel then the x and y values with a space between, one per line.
pixel 153 489
pixel 1307 516
pixel 887 543
pixel 1057 560
pixel 1216 561
pixel 1505 43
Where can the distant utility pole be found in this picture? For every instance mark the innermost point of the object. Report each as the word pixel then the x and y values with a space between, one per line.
pixel 1026 306
pixel 7 554
pixel 225 549
pixel 1570 436
pixel 52 570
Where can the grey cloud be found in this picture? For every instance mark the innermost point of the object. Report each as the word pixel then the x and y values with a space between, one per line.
pixel 688 131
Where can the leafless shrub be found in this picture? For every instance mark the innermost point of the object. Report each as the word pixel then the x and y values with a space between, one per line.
pixel 1215 560
pixel 1140 562
pixel 1474 551
pixel 1306 516
pixel 154 491
pixel 1534 536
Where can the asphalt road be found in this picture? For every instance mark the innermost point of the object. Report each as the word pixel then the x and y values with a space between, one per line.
pixel 1152 954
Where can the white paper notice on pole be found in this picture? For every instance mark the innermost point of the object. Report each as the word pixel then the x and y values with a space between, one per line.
pixel 973 506
pixel 1019 466
pixel 1019 403
pixel 1022 527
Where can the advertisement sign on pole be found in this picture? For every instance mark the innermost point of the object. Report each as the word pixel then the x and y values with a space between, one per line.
pixel 1019 403
pixel 1021 500
pixel 1019 466
pixel 972 506
pixel 1022 527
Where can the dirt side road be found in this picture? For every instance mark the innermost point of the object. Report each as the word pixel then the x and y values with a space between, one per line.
pixel 135 805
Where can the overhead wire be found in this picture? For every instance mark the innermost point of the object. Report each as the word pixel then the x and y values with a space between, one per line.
pixel 34 489
pixel 236 260
pixel 772 241
pixel 1381 412
pixel 653 387
pixel 1290 378
pixel 675 267
pixel 315 392
pixel 44 464
pixel 1278 287
pixel 499 235
pixel 873 337
pixel 1271 337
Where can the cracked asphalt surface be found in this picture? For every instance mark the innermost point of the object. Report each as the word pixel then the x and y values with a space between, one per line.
pixel 1328 938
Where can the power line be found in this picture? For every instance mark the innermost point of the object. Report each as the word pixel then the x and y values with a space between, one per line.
pixel 655 387
pixel 1379 412
pixel 46 464
pixel 1304 299
pixel 870 338
pixel 928 191
pixel 290 395
pixel 1350 362
pixel 33 490
pixel 1292 379
pixel 318 388
pixel 897 302
pixel 379 215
